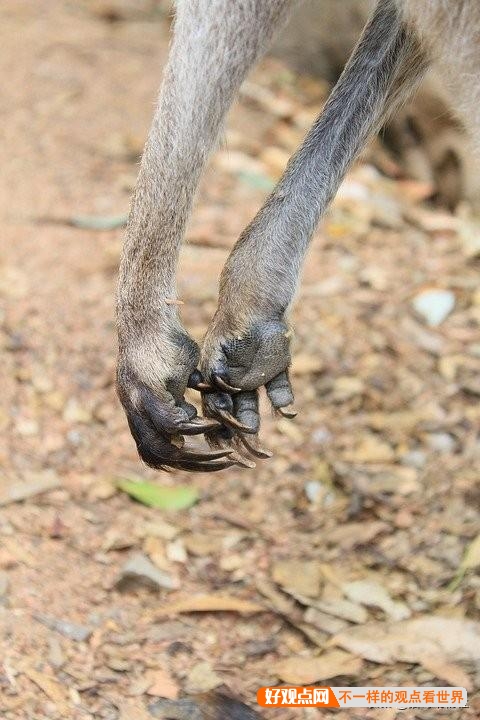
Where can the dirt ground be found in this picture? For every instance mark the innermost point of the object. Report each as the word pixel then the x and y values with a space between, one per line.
pixel 357 543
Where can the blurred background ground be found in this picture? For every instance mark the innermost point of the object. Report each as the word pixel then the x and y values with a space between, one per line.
pixel 358 542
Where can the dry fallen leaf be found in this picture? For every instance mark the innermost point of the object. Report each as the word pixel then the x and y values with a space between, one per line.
pixel 133 710
pixel 202 678
pixel 410 640
pixel 50 687
pixel 453 674
pixel 162 685
pixel 302 578
pixel 211 603
pixel 370 450
pixel 339 608
pixel 372 594
pixel 350 535
pixel 307 670
pixel 37 483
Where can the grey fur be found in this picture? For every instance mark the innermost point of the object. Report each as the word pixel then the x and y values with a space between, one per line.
pixel 247 344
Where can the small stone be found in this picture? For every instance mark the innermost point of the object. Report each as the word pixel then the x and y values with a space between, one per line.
pixel 159 528
pixel 299 577
pixel 313 490
pixel 434 305
pixel 34 484
pixel 321 436
pixel 202 678
pixel 201 545
pixel 176 551
pixel 414 458
pixel 27 427
pixel 75 413
pixel 41 382
pixel 73 631
pixel 56 657
pixel 441 442
pixel 119 664
pixel 139 570
pixel 346 387
pixel 102 490
pixel 371 450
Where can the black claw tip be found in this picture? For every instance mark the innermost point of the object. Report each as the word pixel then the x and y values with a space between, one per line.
pixel 232 421
pixel 197 426
pixel 287 412
pixel 254 449
pixel 224 385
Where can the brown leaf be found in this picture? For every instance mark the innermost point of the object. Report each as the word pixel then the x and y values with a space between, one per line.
pixel 211 603
pixel 133 710
pixel 444 670
pixel 50 687
pixel 338 608
pixel 373 594
pixel 162 685
pixel 302 578
pixel 202 678
pixel 36 484
pixel 303 671
pixel 411 640
pixel 351 535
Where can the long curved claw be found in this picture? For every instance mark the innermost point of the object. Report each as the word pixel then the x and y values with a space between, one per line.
pixel 231 421
pixel 197 466
pixel 287 412
pixel 197 382
pixel 190 454
pixel 242 461
pixel 224 385
pixel 254 449
pixel 198 426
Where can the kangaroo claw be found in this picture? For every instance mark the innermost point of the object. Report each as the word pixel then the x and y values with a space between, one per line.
pixel 224 385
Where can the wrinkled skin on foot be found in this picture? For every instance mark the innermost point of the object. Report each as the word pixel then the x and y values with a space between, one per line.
pixel 236 362
pixel 154 370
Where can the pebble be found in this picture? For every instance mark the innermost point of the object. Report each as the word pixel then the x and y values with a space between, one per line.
pixel 202 678
pixel 75 413
pixel 414 458
pixel 441 442
pixel 73 631
pixel 34 484
pixel 56 657
pixel 434 305
pixel 139 570
pixel 321 436
pixel 313 490
pixel 27 428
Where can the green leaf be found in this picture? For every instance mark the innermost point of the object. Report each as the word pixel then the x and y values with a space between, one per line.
pixel 471 560
pixel 179 497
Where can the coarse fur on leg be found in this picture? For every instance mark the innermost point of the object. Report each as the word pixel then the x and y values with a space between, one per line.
pixel 450 30
pixel 247 343
pixel 214 44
